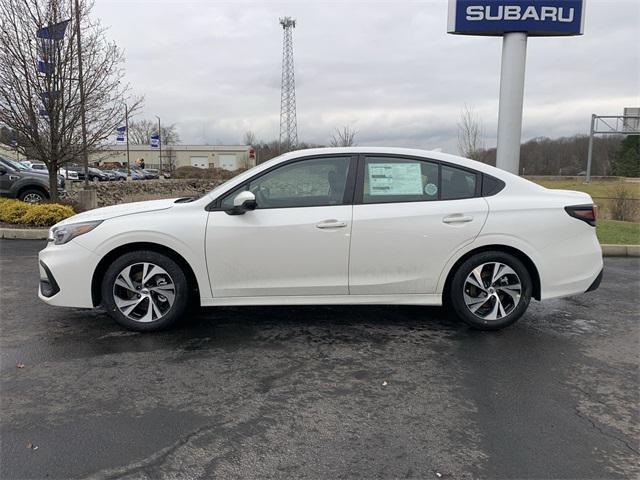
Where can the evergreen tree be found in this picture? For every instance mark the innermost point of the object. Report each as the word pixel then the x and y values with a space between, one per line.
pixel 627 162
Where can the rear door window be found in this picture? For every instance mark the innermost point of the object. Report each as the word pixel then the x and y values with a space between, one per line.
pixel 388 180
pixel 458 183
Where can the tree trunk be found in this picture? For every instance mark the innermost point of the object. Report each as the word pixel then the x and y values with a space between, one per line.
pixel 53 184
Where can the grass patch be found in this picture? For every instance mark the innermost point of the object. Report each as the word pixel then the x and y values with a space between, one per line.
pixel 597 189
pixel 618 233
pixel 604 193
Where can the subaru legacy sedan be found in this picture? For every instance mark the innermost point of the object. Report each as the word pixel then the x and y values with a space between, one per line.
pixel 332 226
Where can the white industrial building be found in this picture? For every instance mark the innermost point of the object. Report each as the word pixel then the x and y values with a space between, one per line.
pixel 228 157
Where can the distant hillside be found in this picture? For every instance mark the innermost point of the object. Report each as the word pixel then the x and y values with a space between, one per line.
pixel 563 156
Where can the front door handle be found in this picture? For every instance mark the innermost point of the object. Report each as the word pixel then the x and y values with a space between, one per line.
pixel 331 224
pixel 458 218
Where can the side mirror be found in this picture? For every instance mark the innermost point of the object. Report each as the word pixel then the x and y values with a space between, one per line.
pixel 3 170
pixel 242 203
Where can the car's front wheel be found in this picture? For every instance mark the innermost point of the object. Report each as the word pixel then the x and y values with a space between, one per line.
pixel 490 290
pixel 145 291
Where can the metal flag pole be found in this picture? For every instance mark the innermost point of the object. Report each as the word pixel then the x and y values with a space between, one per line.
pixel 126 127
pixel 159 145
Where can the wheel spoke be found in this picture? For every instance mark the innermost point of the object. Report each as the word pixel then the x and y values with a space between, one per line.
pixel 476 303
pixel 512 291
pixel 166 291
pixel 125 275
pixel 475 278
pixel 120 282
pixel 502 271
pixel 497 311
pixel 149 315
pixel 147 275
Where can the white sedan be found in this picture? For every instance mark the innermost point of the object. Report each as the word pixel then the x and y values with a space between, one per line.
pixel 332 226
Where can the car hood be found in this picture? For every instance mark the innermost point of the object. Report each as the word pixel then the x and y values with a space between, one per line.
pixel 105 213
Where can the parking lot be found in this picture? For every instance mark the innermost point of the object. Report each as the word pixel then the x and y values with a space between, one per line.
pixel 320 392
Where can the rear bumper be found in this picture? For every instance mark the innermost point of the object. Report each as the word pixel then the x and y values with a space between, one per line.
pixel 571 267
pixel 596 282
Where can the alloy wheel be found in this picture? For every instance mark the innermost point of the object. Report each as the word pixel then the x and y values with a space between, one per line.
pixel 144 292
pixel 492 291
pixel 33 198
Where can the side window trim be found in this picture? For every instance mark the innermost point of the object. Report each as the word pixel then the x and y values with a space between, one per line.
pixel 216 205
pixel 359 191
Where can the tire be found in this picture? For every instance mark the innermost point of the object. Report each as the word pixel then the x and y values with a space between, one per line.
pixel 152 308
pixel 491 305
pixel 33 195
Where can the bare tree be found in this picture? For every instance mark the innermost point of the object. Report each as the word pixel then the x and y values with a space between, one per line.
pixel 39 91
pixel 169 159
pixel 249 138
pixel 343 137
pixel 140 132
pixel 470 134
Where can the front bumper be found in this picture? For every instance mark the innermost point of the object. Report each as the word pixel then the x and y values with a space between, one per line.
pixel 66 273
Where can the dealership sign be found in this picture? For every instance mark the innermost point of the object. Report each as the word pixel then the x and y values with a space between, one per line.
pixel 533 17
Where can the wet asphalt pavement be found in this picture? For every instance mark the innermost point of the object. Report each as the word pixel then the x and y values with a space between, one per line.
pixel 320 392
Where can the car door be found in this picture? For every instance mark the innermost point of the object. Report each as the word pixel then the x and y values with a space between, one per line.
pixel 296 241
pixel 7 177
pixel 410 216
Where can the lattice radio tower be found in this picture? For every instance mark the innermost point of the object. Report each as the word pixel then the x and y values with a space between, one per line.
pixel 288 122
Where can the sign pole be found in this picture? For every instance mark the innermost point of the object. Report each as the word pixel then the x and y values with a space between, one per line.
pixel 514 56
pixel 590 153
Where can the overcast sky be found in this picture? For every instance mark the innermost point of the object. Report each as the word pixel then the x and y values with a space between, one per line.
pixel 389 69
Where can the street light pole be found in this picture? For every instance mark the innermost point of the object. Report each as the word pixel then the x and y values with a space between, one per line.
pixel 159 145
pixel 83 119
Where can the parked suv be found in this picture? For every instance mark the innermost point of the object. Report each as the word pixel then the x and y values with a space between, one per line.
pixel 18 181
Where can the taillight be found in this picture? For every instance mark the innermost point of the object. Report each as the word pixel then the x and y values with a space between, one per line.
pixel 586 213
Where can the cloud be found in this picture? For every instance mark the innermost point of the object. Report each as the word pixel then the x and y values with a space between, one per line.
pixel 387 68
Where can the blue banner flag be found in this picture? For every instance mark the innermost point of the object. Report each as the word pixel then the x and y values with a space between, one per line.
pixel 120 134
pixel 155 141
pixel 14 143
pixel 44 67
pixel 43 112
pixel 53 32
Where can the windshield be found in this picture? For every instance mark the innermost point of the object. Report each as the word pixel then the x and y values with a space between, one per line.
pixel 16 165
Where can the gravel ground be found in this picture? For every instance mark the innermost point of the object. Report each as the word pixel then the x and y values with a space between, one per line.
pixel 319 392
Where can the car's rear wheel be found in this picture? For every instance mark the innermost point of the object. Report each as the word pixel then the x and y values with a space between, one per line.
pixel 33 195
pixel 490 290
pixel 145 291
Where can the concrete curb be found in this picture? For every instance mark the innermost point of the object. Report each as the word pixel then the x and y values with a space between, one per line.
pixel 42 234
pixel 621 250
pixel 24 233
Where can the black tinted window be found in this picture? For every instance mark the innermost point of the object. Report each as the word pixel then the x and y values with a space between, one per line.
pixel 457 183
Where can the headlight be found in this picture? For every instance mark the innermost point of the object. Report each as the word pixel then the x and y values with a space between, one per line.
pixel 63 234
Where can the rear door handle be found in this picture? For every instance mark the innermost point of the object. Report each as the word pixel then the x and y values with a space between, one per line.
pixel 458 218
pixel 331 224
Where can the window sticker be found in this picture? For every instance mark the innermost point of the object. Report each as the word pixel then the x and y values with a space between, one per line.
pixel 431 189
pixel 395 179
